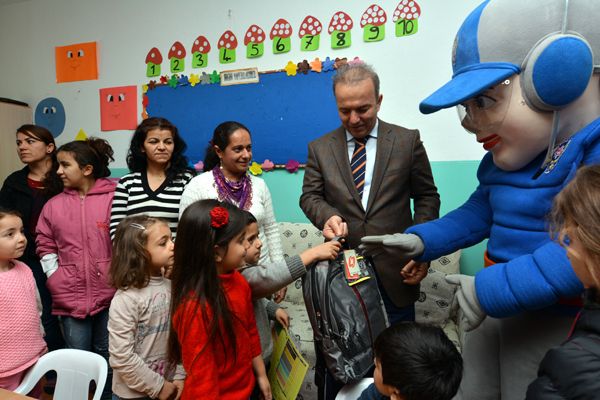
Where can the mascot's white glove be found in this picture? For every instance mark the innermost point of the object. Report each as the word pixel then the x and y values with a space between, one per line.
pixel 405 245
pixel 49 264
pixel 473 314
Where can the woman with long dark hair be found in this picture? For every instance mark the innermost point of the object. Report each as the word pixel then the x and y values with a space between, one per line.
pixel 226 178
pixel 27 191
pixel 159 173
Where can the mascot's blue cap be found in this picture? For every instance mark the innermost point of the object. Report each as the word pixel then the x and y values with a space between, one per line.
pixel 505 37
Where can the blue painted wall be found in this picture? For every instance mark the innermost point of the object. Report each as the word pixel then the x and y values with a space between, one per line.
pixel 455 180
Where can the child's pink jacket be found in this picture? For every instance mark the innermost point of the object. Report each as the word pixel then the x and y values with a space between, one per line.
pixel 76 229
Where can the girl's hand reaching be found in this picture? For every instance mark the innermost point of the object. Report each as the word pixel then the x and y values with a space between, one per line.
pixel 282 317
pixel 179 385
pixel 325 251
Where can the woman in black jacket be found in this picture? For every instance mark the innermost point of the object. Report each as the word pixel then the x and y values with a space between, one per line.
pixel 26 191
pixel 572 371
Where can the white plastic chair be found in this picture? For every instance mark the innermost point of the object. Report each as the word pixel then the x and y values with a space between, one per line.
pixel 352 391
pixel 74 369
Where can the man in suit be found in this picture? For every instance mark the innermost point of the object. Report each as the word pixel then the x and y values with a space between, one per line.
pixel 354 188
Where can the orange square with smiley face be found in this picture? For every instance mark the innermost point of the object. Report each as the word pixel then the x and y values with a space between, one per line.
pixel 76 62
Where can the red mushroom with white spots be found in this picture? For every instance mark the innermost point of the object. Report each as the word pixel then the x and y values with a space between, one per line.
pixel 406 17
pixel 177 57
pixel 310 33
pixel 227 45
pixel 280 35
pixel 254 41
pixel 340 29
pixel 153 61
pixel 200 50
pixel 373 23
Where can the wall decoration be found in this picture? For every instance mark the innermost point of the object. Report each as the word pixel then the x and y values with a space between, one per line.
pixel 281 126
pixel 267 165
pixel 177 57
pixel 215 77
pixel 227 45
pixel 310 33
pixel 340 28
pixel 153 61
pixel 200 50
pixel 254 41
pixel 303 67
pixel 81 135
pixel 406 18
pixel 118 108
pixel 50 113
pixel 255 168
pixel 328 65
pixel 194 79
pixel 373 23
pixel 280 35
pixel 316 65
pixel 205 79
pixel 290 68
pixel 76 62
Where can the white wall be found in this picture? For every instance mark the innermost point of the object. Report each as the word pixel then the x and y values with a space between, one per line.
pixel 410 68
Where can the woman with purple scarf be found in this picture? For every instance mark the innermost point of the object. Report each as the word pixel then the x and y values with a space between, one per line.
pixel 226 178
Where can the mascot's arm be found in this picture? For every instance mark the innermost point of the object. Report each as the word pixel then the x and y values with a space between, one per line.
pixel 467 225
pixel 528 282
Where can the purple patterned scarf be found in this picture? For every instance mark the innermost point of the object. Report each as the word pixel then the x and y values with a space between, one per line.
pixel 237 193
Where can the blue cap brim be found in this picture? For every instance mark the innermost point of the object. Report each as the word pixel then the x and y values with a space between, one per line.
pixel 464 86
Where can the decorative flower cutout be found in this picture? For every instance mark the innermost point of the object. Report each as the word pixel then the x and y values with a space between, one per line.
pixel 199 166
pixel 292 166
pixel 255 168
pixel 267 165
pixel 291 68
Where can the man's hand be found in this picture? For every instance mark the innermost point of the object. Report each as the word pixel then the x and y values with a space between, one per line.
pixel 473 314
pixel 335 226
pixel 414 272
pixel 404 245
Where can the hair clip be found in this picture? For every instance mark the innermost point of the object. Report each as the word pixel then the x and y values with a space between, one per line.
pixel 219 217
pixel 137 226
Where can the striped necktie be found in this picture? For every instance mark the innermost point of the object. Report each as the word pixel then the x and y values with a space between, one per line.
pixel 358 164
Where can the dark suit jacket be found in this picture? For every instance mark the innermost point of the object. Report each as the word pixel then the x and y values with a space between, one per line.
pixel 401 173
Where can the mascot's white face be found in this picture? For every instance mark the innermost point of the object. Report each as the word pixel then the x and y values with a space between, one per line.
pixel 506 126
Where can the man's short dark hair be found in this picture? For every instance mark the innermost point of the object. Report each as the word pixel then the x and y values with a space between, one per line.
pixel 420 361
pixel 355 72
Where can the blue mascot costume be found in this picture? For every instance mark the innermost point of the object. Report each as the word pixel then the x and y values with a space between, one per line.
pixel 526 84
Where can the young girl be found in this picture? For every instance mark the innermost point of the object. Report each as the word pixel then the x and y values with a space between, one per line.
pixel 21 341
pixel 138 322
pixel 572 371
pixel 75 249
pixel 214 329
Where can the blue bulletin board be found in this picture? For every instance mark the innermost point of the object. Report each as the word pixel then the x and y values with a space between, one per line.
pixel 283 113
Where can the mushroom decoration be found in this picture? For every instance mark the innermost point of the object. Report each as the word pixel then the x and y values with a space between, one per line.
pixel 373 23
pixel 340 28
pixel 310 32
pixel 153 61
pixel 227 45
pixel 253 40
pixel 280 35
pixel 406 18
pixel 200 50
pixel 177 57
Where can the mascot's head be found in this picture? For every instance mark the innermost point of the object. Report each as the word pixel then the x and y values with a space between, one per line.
pixel 515 62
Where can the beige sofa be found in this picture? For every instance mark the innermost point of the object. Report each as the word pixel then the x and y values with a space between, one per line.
pixel 435 304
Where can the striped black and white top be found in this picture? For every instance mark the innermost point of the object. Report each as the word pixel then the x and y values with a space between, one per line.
pixel 133 196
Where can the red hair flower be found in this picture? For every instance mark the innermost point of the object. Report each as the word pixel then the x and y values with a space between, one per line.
pixel 219 217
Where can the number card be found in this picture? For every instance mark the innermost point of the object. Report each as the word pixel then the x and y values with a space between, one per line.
pixel 177 57
pixel 373 23
pixel 406 18
pixel 310 33
pixel 200 50
pixel 340 29
pixel 153 61
pixel 254 41
pixel 227 45
pixel 280 35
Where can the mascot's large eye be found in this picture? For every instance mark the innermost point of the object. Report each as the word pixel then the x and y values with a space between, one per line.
pixel 483 102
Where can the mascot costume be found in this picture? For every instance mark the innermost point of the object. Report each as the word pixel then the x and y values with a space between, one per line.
pixel 526 84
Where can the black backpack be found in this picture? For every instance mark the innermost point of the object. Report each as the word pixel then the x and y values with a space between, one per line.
pixel 345 319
